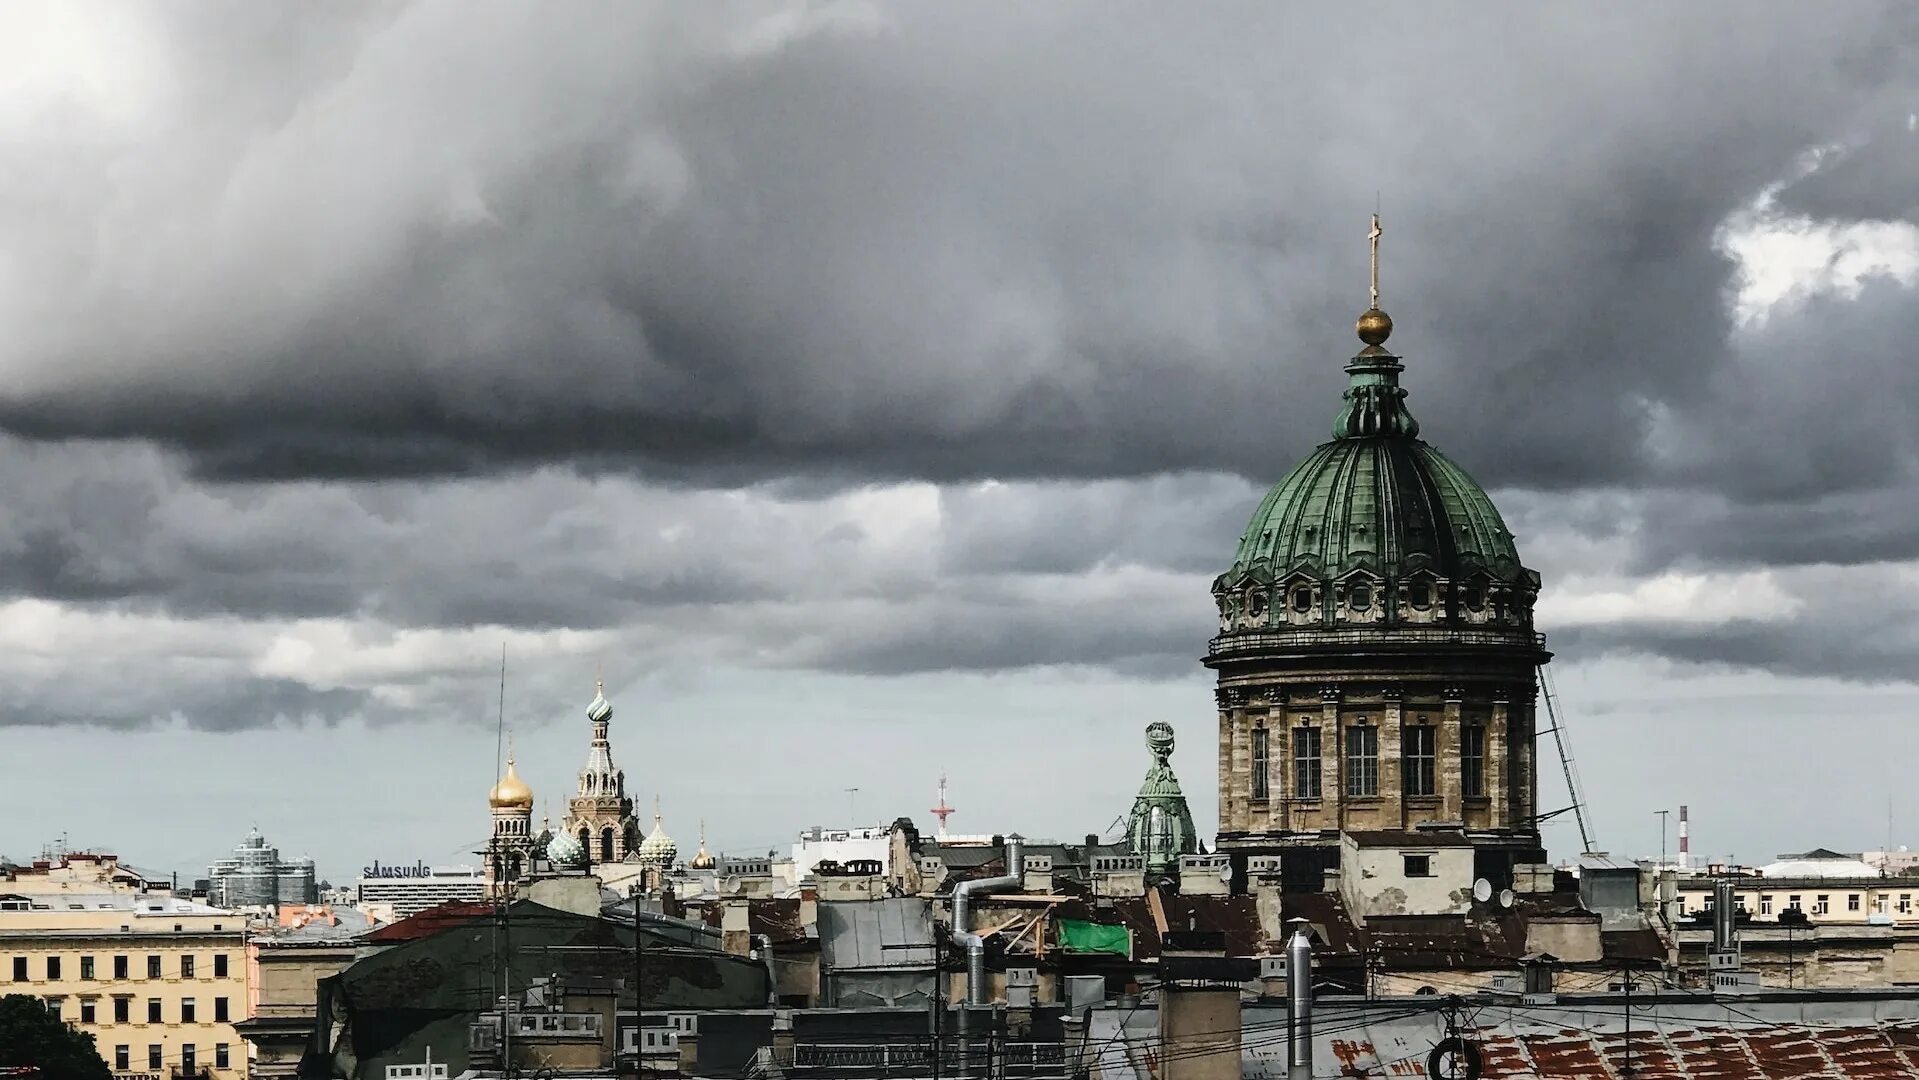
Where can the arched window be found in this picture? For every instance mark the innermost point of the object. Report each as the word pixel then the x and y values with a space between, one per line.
pixel 586 840
pixel 512 868
pixel 606 844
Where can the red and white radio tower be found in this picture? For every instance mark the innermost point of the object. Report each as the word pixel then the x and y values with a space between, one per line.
pixel 942 811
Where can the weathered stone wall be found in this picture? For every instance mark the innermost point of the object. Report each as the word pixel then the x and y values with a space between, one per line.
pixel 1503 710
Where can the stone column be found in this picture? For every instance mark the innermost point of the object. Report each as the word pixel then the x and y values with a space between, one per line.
pixel 1391 785
pixel 1332 742
pixel 1526 759
pixel 1494 770
pixel 1228 819
pixel 1446 752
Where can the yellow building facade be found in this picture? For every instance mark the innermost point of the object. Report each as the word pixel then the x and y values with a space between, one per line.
pixel 158 981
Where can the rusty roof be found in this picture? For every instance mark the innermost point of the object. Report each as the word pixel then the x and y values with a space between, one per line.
pixel 1775 1052
pixel 429 921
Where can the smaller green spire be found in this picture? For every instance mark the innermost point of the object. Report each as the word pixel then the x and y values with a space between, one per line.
pixel 1161 826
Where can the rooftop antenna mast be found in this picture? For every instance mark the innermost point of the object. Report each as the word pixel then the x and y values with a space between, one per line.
pixel 1558 732
pixel 942 811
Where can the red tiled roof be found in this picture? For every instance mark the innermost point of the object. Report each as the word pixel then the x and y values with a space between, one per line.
pixel 1777 1052
pixel 430 921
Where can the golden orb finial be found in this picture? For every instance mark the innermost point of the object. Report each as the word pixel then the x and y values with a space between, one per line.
pixel 1374 327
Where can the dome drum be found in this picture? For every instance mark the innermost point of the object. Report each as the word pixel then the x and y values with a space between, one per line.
pixel 1303 600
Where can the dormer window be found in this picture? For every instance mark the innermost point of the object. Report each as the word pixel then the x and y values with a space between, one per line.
pixel 1255 603
pixel 1360 596
pixel 1420 594
pixel 1474 597
pixel 1303 599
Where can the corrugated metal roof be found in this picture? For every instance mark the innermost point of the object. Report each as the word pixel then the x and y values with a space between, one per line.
pixel 870 933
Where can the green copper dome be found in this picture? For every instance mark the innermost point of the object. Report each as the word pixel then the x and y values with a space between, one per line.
pixel 1375 527
pixel 1160 827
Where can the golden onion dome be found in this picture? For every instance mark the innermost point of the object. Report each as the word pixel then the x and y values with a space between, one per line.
pixel 704 860
pixel 511 793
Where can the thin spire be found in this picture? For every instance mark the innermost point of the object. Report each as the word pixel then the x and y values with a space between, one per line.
pixel 1373 237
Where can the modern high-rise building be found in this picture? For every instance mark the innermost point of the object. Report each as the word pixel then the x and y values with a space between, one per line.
pixel 1376 656
pixel 257 877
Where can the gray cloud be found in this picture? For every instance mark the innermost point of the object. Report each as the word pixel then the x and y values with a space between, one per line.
pixel 410 319
pixel 901 242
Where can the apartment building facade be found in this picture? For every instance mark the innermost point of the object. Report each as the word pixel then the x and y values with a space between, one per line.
pixel 158 981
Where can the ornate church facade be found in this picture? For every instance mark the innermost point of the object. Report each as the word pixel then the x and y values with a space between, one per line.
pixel 1376 657
pixel 600 814
pixel 599 827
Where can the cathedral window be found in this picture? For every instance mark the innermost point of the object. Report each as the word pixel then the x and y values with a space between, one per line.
pixel 1306 762
pixel 1362 761
pixel 606 844
pixel 1420 595
pixel 1303 599
pixel 1360 596
pixel 1419 745
pixel 1472 761
pixel 1259 763
pixel 1473 596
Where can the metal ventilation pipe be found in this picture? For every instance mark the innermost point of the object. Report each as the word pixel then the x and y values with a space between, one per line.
pixel 1299 1007
pixel 963 894
pixel 1722 913
pixel 765 945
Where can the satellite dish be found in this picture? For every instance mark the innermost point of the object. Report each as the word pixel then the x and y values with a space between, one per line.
pixel 1505 898
pixel 1482 890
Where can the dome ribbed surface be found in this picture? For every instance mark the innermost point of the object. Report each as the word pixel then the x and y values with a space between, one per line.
pixel 1389 504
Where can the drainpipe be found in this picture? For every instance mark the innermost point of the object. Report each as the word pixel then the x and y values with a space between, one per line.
pixel 974 944
pixel 1299 1007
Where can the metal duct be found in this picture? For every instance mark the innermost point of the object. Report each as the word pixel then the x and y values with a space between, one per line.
pixel 963 894
pixel 765 945
pixel 1722 915
pixel 1299 1007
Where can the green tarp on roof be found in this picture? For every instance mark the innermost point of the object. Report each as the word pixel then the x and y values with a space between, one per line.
pixel 1090 937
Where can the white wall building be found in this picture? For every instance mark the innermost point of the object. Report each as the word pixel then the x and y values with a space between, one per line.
pixel 410 889
pixel 818 844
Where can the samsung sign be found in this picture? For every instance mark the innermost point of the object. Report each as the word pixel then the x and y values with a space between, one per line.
pixel 377 870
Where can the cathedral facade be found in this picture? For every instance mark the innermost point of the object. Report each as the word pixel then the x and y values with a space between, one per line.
pixel 1376 657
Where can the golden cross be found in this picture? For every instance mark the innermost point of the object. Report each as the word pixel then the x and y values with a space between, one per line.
pixel 1374 237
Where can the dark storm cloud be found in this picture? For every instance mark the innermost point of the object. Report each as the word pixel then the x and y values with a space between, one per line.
pixel 949 242
pixel 622 325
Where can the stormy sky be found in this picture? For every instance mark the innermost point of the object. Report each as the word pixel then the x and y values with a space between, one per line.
pixel 872 390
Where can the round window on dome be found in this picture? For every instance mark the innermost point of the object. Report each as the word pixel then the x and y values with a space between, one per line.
pixel 1420 594
pixel 1360 596
pixel 1475 597
pixel 1256 603
pixel 1303 599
